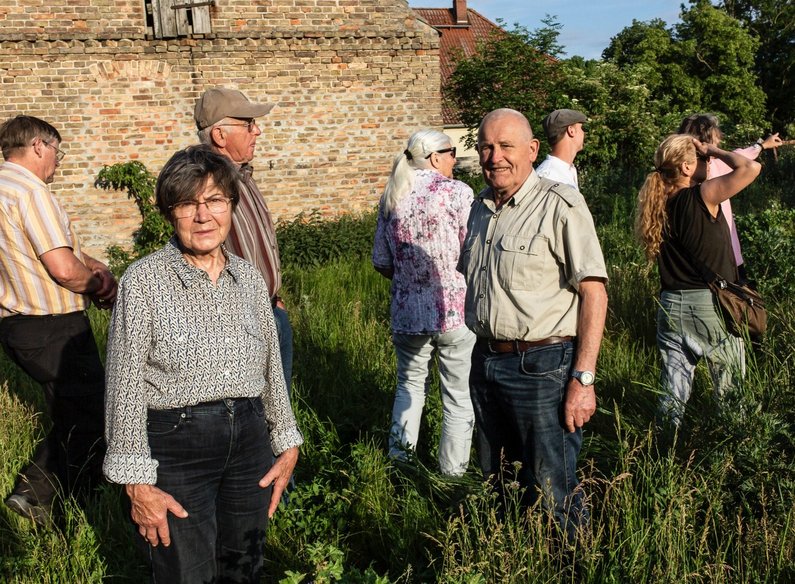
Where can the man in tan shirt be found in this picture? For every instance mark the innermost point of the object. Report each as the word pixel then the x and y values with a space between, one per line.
pixel 46 282
pixel 536 300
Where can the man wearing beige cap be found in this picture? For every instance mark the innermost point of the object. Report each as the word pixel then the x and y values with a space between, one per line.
pixel 566 136
pixel 226 121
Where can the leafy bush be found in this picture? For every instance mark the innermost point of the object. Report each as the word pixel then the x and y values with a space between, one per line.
pixel 155 230
pixel 473 179
pixel 310 240
pixel 768 240
pixel 306 240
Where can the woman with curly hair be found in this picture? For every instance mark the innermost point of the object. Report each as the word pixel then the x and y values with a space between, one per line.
pixel 680 223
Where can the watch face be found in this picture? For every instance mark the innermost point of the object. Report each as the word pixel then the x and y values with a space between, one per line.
pixel 586 377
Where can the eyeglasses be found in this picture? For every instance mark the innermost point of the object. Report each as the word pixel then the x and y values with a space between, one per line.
pixel 451 150
pixel 249 124
pixel 188 209
pixel 59 154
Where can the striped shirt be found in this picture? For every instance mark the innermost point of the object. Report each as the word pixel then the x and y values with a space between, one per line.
pixel 253 236
pixel 32 222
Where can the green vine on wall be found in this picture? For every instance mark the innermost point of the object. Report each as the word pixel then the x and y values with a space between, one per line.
pixel 155 230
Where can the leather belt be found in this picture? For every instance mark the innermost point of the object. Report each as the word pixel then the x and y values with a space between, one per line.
pixel 495 346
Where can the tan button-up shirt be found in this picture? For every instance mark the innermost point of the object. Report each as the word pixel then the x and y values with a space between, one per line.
pixel 523 262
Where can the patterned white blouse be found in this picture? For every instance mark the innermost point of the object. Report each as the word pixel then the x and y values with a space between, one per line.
pixel 421 241
pixel 175 340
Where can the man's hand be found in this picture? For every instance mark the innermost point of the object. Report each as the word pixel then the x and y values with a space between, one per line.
pixel 105 295
pixel 150 508
pixel 579 406
pixel 279 475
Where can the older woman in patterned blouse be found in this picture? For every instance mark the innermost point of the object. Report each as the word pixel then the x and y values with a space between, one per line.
pixel 196 401
pixel 421 226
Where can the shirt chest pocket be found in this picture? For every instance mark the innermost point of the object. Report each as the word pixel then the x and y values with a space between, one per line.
pixel 521 261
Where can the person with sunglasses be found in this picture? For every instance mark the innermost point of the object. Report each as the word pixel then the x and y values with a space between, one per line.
pixel 46 284
pixel 421 226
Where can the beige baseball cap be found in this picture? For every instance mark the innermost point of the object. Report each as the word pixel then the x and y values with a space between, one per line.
pixel 218 103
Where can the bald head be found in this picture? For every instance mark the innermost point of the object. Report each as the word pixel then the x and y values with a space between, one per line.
pixel 513 117
pixel 507 151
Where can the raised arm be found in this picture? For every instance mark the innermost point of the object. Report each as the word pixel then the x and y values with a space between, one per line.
pixel 716 190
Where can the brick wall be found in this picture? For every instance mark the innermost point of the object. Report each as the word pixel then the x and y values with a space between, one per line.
pixel 351 80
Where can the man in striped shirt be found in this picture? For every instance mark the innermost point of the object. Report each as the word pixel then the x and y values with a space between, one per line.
pixel 46 282
pixel 226 122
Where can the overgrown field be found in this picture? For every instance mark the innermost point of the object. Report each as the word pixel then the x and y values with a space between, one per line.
pixel 717 507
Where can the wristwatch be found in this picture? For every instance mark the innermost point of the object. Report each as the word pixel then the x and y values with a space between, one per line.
pixel 585 377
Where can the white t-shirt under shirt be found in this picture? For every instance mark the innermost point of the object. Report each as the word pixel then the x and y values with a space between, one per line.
pixel 556 169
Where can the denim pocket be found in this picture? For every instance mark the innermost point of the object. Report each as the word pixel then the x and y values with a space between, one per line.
pixel 551 361
pixel 165 422
pixel 256 405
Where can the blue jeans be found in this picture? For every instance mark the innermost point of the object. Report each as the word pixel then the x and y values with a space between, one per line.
pixel 518 400
pixel 211 457
pixel 285 334
pixel 689 328
pixel 414 356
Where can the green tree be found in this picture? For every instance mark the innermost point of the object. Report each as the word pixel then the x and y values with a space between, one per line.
pixel 704 63
pixel 720 53
pixel 772 22
pixel 509 69
pixel 651 52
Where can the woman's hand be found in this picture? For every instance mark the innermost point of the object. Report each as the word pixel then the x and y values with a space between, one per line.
pixel 772 141
pixel 150 507
pixel 279 475
pixel 703 148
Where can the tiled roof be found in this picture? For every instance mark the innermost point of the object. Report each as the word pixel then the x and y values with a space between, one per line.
pixel 454 39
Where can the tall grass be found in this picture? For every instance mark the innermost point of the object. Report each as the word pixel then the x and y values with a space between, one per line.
pixel 716 505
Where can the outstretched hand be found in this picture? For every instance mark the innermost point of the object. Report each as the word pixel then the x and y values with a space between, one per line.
pixel 772 141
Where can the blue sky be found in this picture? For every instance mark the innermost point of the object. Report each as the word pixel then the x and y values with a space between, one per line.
pixel 588 25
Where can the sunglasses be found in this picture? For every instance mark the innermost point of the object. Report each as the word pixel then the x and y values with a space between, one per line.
pixel 451 150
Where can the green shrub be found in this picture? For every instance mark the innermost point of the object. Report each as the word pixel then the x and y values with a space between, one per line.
pixel 768 244
pixel 311 240
pixel 155 230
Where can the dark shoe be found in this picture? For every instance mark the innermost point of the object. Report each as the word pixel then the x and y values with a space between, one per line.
pixel 40 514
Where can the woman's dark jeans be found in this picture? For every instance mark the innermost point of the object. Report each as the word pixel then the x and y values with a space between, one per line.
pixel 211 458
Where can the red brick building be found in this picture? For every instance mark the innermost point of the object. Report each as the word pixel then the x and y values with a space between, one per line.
pixel 352 79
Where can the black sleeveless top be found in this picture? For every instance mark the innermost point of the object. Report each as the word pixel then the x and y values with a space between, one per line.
pixel 692 233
